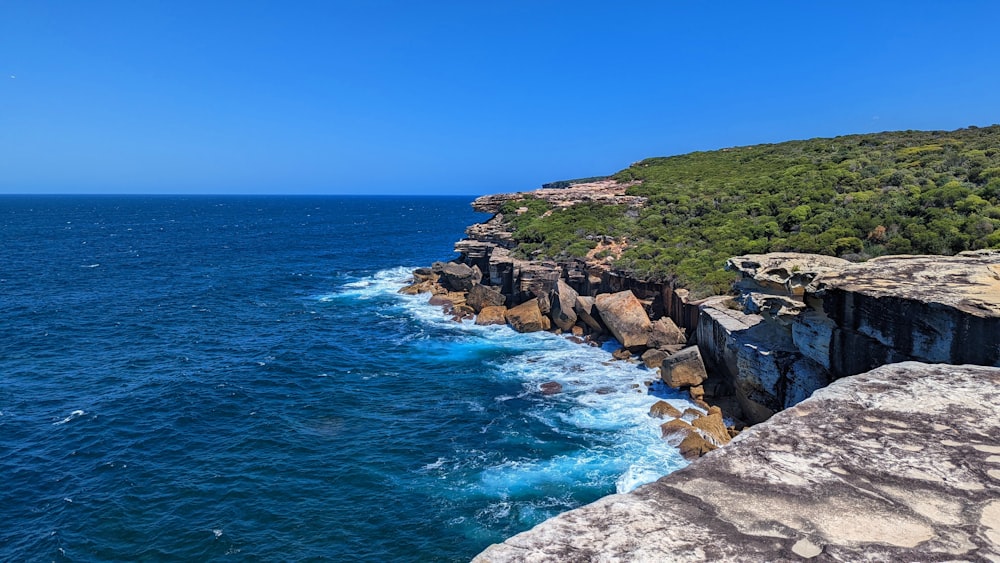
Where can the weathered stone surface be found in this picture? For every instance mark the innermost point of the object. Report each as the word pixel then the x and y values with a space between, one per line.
pixel 653 358
pixel 684 368
pixel 492 316
pixel 676 429
pixel 664 333
pixel 663 409
pixel 694 445
pixel 587 313
pixel 782 272
pixel 926 308
pixel 481 296
pixel 621 354
pixel 712 428
pixel 563 301
pixel 456 276
pixel 527 317
pixel 898 464
pixel 625 317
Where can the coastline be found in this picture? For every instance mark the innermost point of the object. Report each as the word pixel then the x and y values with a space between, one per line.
pixel 758 352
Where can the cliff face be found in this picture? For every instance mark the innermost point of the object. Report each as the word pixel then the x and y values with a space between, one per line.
pixel 898 464
pixel 803 320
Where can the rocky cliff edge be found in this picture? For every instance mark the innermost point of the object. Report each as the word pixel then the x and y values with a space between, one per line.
pixel 901 463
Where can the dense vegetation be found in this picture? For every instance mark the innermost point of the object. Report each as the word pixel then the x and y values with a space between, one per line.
pixel 858 196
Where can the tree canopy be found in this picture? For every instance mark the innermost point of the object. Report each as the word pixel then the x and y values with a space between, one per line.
pixel 856 196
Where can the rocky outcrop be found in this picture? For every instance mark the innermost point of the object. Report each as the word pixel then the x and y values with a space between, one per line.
pixel 683 369
pixel 527 317
pixel 898 464
pixel 801 321
pixel 926 308
pixel 609 192
pixel 457 276
pixel 481 296
pixel 563 301
pixel 625 318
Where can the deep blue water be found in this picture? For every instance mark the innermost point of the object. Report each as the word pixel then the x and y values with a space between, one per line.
pixel 236 378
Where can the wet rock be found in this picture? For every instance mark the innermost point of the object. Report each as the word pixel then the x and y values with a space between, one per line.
pixel 551 388
pixel 653 358
pixel 694 446
pixel 424 274
pixel 527 317
pixel 621 354
pixel 697 392
pixel 663 409
pixel 625 318
pixel 676 428
pixel 492 316
pixel 712 428
pixel 684 368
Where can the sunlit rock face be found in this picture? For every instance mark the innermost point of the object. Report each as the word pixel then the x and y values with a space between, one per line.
pixel 901 463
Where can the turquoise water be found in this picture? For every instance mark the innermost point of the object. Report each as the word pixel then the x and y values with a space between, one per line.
pixel 237 378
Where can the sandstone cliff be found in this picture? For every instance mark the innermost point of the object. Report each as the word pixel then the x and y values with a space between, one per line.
pixel 898 464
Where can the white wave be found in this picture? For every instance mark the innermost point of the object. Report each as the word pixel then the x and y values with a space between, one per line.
pixel 73 415
pixel 604 401
pixel 90 265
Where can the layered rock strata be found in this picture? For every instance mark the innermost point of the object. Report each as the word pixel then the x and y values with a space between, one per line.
pixel 898 464
pixel 801 321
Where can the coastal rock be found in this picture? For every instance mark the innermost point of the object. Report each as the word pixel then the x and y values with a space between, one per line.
pixel 684 368
pixel 551 388
pixel 457 276
pixel 653 358
pixel 897 464
pixel 664 333
pixel 891 308
pixel 621 354
pixel 663 409
pixel 712 428
pixel 785 273
pixel 694 446
pixel 563 301
pixel 625 318
pixel 527 317
pixel 586 312
pixel 676 429
pixel 424 274
pixel 492 316
pixel 481 296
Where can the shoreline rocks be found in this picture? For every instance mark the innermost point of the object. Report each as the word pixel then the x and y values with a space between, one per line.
pixel 896 464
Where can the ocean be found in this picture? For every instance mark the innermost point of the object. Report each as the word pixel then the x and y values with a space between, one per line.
pixel 237 378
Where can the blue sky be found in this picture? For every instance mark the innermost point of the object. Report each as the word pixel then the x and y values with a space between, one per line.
pixel 461 97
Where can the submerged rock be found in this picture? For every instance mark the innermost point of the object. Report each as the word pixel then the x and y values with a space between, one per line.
pixel 898 464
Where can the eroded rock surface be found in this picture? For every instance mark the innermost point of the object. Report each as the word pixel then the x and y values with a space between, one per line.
pixel 898 464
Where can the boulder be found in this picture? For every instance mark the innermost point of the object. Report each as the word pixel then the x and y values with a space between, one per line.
pixel 675 428
pixel 625 317
pixel 527 317
pixel 424 274
pixel 697 392
pixel 663 333
pixel 563 301
pixel 492 316
pixel 663 409
pixel 456 276
pixel 712 428
pixel 684 368
pixel 586 312
pixel 621 354
pixel 653 358
pixel 419 287
pixel 694 446
pixel 481 296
